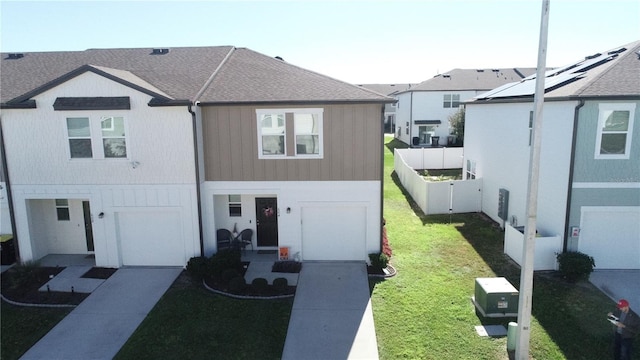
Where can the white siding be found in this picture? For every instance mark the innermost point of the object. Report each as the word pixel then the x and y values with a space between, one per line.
pixel 497 138
pixel 5 218
pixel 296 195
pixel 159 138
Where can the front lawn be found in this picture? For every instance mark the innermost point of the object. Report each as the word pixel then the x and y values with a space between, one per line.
pixel 190 322
pixel 425 311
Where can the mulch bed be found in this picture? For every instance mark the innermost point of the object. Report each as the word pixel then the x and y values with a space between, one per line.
pixel 23 287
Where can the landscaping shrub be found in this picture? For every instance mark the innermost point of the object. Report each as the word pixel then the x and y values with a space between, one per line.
pixel 575 266
pixel 227 275
pixel 237 285
pixel 289 266
pixel 223 260
pixel 386 248
pixel 259 286
pixel 280 285
pixel 379 261
pixel 197 267
pixel 24 273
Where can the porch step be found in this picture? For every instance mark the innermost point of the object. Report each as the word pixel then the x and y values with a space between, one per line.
pixel 71 277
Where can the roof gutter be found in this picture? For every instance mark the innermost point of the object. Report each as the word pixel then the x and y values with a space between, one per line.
pixel 572 160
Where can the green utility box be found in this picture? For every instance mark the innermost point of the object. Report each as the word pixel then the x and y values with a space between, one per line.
pixel 495 297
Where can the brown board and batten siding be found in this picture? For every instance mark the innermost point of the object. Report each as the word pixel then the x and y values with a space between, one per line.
pixel 352 136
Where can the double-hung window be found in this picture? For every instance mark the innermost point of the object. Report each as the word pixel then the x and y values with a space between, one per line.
pixel 615 129
pixel 451 101
pixel 290 133
pixel 96 137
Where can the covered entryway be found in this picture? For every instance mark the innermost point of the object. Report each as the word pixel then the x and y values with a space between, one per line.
pixel 331 232
pixel 611 235
pixel 150 238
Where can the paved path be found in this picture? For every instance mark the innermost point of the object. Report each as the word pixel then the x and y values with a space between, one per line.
pixel 331 316
pixel 103 322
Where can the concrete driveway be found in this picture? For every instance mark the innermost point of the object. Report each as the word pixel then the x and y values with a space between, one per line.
pixel 103 322
pixel 331 316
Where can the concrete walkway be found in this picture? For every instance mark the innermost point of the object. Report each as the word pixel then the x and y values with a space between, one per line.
pixel 103 322
pixel 331 316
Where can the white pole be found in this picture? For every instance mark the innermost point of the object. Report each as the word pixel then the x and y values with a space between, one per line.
pixel 526 272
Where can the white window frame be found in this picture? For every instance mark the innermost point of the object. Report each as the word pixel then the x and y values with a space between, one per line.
pixel 318 133
pixel 602 109
pixel 96 137
pixel 448 103
pixel 63 204
pixel 318 111
pixel 470 170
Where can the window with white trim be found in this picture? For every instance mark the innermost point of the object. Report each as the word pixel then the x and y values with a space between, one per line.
pixel 62 210
pixel 451 101
pixel 97 137
pixel 235 206
pixel 615 129
pixel 300 128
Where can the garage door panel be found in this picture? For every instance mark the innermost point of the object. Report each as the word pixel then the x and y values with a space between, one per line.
pixel 150 238
pixel 334 233
pixel 611 236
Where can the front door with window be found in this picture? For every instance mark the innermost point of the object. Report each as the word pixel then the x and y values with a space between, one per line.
pixel 267 222
pixel 88 229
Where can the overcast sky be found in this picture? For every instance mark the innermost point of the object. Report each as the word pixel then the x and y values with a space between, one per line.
pixel 355 41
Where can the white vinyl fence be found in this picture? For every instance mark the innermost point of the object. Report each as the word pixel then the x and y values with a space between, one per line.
pixel 440 197
pixel 545 249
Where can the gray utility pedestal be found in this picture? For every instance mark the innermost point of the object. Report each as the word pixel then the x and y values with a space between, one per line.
pixel 495 297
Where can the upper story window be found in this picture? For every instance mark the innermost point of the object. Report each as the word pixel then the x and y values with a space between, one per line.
pixel 286 133
pixel 615 129
pixel 451 101
pixel 98 138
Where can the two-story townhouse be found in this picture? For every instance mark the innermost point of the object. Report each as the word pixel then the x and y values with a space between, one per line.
pixel 423 111
pixel 589 183
pixel 106 155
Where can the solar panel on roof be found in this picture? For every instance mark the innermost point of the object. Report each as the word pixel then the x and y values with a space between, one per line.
pixel 528 87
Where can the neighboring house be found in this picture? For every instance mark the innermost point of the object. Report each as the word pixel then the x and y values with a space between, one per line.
pixel 389 109
pixel 422 115
pixel 137 156
pixel 589 183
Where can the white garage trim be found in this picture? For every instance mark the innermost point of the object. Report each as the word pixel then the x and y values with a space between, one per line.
pixel 611 235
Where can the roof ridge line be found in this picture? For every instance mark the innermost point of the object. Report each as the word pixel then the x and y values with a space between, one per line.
pixel 616 58
pixel 213 75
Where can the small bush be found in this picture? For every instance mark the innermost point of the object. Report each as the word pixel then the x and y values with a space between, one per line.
pixel 197 267
pixel 286 266
pixel 259 286
pixel 575 266
pixel 379 261
pixel 223 260
pixel 237 285
pixel 24 273
pixel 280 285
pixel 227 275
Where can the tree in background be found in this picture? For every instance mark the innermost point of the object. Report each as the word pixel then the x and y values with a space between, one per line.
pixel 456 122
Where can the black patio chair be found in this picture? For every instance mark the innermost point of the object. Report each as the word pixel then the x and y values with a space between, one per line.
pixel 224 239
pixel 245 238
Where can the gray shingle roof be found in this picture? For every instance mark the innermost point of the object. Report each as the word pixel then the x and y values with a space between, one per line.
pixel 181 74
pixel 472 79
pixel 387 89
pixel 612 73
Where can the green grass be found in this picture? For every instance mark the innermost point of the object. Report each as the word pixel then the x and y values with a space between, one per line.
pixel 193 323
pixel 22 327
pixel 425 311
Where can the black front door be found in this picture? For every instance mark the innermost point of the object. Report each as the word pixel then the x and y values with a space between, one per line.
pixel 88 229
pixel 267 221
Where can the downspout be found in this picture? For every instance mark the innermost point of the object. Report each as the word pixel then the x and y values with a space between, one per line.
pixel 196 160
pixel 194 123
pixel 7 182
pixel 571 170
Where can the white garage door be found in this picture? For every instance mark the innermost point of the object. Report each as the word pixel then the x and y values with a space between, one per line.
pixel 334 233
pixel 612 236
pixel 151 238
